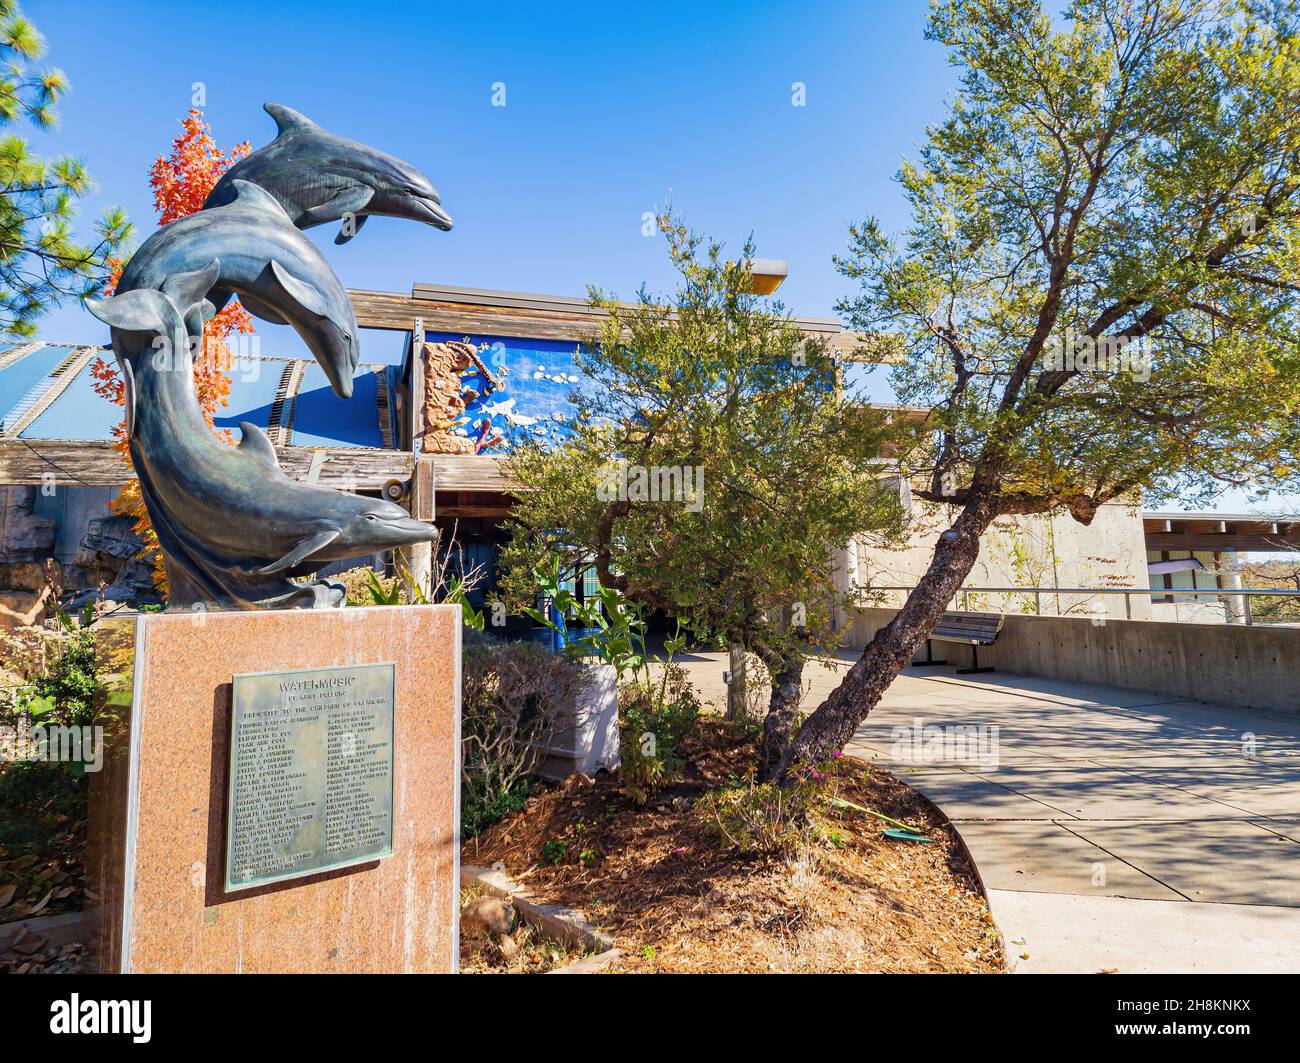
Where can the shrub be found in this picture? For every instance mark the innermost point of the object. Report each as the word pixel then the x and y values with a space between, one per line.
pixel 56 669
pixel 654 719
pixel 513 695
pixel 480 808
pixel 767 819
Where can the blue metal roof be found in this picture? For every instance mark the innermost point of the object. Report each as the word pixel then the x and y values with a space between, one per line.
pixel 273 393
pixel 23 381
pixel 319 418
pixel 253 387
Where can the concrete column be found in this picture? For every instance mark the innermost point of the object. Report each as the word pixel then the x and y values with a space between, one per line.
pixel 1234 608
pixel 844 579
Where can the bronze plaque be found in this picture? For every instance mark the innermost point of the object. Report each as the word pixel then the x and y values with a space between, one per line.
pixel 311 772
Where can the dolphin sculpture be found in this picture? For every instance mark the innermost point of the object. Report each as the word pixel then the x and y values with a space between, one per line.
pixel 319 178
pixel 278 274
pixel 232 525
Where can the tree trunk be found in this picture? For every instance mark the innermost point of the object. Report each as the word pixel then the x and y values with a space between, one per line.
pixel 831 726
pixel 782 711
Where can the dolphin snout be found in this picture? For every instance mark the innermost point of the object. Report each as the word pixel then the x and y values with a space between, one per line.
pixel 339 374
pixel 431 213
pixel 409 530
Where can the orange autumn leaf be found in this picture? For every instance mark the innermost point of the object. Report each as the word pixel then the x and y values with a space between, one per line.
pixel 181 182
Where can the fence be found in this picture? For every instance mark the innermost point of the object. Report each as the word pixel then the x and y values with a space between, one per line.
pixel 1244 593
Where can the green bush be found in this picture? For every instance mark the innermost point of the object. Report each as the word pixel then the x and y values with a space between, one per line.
pixel 654 718
pixel 513 695
pixel 59 691
pixel 766 819
pixel 480 809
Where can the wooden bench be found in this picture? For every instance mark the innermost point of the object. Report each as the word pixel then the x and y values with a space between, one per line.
pixel 973 629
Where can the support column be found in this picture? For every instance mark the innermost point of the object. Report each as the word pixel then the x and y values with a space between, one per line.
pixel 1234 608
pixel 418 558
pixel 736 707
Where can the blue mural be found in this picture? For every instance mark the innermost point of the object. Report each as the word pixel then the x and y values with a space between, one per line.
pixel 538 380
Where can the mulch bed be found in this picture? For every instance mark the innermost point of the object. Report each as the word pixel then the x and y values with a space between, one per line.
pixel 41 854
pixel 656 878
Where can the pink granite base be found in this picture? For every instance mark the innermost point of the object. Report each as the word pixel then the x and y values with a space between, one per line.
pixel 158 809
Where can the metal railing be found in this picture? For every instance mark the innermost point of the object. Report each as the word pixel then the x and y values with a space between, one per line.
pixel 1244 593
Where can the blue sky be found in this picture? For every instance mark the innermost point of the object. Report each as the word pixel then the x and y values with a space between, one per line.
pixel 611 109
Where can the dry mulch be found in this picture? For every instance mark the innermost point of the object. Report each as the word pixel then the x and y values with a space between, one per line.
pixel 656 878
pixel 41 870
pixel 30 953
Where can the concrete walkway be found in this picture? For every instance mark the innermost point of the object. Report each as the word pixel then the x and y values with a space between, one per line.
pixel 1115 830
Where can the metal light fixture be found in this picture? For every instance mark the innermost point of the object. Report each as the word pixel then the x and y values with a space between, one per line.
pixel 766 274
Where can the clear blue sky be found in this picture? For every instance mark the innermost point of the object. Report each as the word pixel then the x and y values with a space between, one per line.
pixel 610 110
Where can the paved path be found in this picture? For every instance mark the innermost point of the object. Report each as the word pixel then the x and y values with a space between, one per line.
pixel 1114 829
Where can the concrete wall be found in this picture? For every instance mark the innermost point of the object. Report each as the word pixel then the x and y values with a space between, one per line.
pixel 1251 667
pixel 1032 551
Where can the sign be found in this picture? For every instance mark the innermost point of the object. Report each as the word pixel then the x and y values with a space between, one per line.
pixel 311 772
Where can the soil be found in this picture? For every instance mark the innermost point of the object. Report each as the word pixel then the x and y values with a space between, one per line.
pixel 657 878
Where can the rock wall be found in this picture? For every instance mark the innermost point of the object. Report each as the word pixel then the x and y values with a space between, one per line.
pixel 25 535
pixel 105 562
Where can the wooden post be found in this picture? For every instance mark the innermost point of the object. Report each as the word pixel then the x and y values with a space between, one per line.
pixel 415 415
pixel 418 559
pixel 736 706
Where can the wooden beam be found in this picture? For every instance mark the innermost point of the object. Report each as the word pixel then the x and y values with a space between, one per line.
pixel 1215 541
pixel 562 320
pixel 98 464
pixel 452 504
pixel 469 472
pixel 423 480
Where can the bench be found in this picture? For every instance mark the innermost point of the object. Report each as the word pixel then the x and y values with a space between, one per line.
pixel 973 629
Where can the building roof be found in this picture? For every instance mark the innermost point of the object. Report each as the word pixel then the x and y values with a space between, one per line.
pixel 1209 530
pixel 47 393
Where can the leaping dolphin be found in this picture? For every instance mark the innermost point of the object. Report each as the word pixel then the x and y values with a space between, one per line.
pixel 233 526
pixel 319 177
pixel 279 274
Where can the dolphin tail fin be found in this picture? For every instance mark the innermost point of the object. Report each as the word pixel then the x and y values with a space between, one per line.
pixel 302 551
pixel 255 443
pixel 287 120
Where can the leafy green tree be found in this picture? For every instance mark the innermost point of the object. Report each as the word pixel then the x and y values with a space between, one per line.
pixel 41 261
pixel 1098 287
pixel 714 467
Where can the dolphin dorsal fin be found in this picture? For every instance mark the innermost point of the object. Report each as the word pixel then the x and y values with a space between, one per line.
pixel 248 194
pixel 255 442
pixel 276 277
pixel 287 120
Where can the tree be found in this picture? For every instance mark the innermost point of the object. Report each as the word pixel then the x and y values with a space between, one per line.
pixel 181 182
pixel 1098 287
pixel 41 262
pixel 713 468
